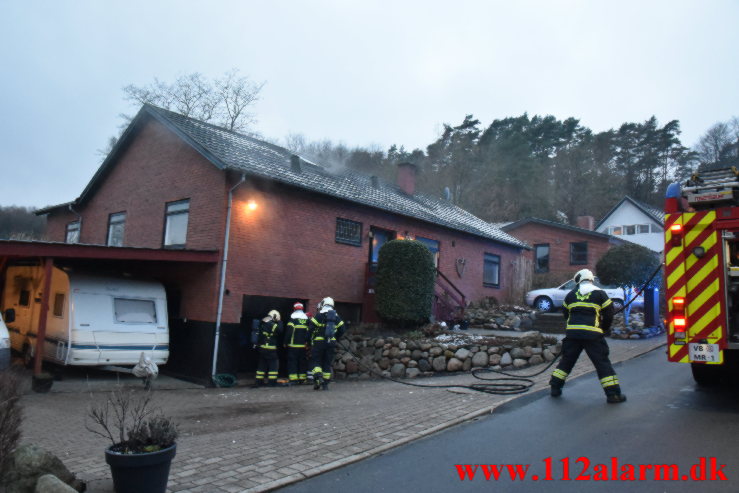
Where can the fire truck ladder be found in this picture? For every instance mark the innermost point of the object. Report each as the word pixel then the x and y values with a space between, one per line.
pixel 715 187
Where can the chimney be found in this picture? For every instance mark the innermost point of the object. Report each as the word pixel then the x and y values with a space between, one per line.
pixel 295 163
pixel 375 181
pixel 586 222
pixel 407 177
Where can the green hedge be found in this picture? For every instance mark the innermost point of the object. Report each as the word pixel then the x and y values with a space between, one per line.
pixel 405 282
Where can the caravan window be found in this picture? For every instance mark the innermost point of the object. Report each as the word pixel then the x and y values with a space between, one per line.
pixel 135 311
pixel 59 305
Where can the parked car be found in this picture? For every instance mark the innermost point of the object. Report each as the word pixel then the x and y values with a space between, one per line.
pixel 547 299
pixel 4 346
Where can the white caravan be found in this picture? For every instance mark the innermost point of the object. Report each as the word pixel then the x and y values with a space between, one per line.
pixel 92 320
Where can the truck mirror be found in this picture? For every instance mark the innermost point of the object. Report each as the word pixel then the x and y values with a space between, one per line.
pixel 10 315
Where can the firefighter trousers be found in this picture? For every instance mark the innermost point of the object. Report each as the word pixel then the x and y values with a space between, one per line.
pixel 267 365
pixel 597 350
pixel 322 358
pixel 297 364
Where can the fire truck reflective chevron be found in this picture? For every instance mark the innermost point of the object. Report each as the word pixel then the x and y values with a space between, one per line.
pixel 698 279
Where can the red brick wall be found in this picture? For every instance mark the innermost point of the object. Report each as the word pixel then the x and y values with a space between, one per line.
pixel 286 248
pixel 158 167
pixel 559 240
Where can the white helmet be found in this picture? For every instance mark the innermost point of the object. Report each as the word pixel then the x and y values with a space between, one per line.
pixel 327 302
pixel 584 275
pixel 275 315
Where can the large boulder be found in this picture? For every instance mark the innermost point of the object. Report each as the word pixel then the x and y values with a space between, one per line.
pixel 454 365
pixel 462 354
pixel 48 483
pixel 480 359
pixel 28 463
pixel 439 363
pixel 397 370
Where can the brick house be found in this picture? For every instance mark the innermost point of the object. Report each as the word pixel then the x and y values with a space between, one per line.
pixel 286 229
pixel 560 250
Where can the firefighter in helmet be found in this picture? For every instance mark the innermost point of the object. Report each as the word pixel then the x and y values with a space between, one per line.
pixel 589 314
pixel 325 328
pixel 296 340
pixel 270 332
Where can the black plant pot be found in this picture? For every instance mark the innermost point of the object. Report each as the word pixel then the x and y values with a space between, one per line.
pixel 141 473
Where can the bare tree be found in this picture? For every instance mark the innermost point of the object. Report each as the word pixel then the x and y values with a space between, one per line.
pixel 235 95
pixel 224 101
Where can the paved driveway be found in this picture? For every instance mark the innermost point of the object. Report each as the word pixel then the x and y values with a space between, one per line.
pixel 243 439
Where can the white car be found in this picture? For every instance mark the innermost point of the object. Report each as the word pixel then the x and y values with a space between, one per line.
pixel 4 346
pixel 548 299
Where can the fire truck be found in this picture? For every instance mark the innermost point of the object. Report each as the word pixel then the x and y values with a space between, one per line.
pixel 702 273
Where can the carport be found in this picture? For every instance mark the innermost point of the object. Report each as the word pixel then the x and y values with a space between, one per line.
pixel 165 265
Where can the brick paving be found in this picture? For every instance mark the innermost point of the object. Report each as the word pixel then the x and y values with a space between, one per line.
pixel 250 440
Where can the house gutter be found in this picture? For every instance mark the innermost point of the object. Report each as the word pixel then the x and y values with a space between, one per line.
pixel 222 286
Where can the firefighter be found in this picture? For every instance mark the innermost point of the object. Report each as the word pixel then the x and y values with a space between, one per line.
pixel 296 340
pixel 325 328
pixel 589 314
pixel 270 332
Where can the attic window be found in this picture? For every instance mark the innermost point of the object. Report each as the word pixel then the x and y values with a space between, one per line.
pixel 348 232
pixel 175 227
pixel 73 232
pixel 116 228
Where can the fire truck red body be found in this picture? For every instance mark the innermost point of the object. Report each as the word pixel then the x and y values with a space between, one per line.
pixel 702 272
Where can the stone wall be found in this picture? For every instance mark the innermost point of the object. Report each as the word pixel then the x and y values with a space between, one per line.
pixel 372 357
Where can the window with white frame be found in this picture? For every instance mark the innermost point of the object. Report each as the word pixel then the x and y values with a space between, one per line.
pixel 73 232
pixel 116 228
pixel 175 223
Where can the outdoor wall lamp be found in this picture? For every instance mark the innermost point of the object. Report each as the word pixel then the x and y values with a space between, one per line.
pixel 251 205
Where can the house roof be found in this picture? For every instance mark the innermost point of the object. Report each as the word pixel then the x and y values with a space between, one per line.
pixel 233 151
pixel 544 222
pixel 652 212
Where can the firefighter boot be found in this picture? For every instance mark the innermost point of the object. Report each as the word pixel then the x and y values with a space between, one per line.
pixel 317 381
pixel 555 391
pixel 615 398
pixel 325 385
pixel 257 384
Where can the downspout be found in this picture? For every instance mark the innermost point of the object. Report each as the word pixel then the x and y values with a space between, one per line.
pixel 222 286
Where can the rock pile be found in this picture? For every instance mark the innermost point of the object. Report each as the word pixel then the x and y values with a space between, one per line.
pixel 635 329
pixel 500 317
pixel 369 357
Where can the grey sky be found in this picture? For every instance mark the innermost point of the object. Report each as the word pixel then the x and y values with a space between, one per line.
pixel 358 72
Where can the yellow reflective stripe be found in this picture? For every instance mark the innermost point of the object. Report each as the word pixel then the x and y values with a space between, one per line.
pixel 562 375
pixel 266 346
pixel 296 345
pixel 584 327
pixel 585 305
pixel 609 381
pixel 606 303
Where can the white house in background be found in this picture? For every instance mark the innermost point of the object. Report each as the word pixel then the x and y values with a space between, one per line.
pixel 636 222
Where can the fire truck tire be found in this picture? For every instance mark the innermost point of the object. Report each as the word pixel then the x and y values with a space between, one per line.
pixel 706 375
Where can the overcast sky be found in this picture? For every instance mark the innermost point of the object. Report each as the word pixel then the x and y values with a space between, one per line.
pixel 358 72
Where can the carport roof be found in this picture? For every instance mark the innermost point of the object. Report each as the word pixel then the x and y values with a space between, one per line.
pixel 25 249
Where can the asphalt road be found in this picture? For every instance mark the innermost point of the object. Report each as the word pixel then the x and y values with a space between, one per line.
pixel 666 420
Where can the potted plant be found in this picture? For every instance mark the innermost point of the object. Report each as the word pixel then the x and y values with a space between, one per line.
pixel 143 441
